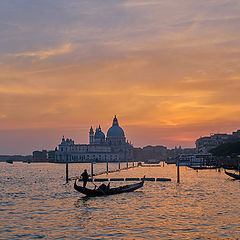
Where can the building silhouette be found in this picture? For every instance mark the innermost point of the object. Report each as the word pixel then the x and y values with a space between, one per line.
pixel 114 147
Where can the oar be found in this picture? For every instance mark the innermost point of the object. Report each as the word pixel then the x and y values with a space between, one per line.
pixel 94 184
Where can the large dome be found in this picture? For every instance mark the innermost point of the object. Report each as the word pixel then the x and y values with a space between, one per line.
pixel 115 130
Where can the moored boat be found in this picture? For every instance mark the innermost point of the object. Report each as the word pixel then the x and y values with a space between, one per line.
pixel 234 175
pixel 202 167
pixel 107 191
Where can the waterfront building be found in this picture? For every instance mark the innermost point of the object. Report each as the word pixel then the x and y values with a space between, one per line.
pixel 236 135
pixel 113 148
pixel 40 156
pixel 205 144
pixel 159 153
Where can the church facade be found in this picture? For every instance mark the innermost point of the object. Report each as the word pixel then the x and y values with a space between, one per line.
pixel 113 148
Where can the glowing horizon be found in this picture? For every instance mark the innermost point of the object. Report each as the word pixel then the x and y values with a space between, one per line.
pixel 168 70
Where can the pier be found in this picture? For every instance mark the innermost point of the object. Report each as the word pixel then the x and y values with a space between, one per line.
pixel 123 179
pixel 103 172
pixel 120 179
pixel 112 171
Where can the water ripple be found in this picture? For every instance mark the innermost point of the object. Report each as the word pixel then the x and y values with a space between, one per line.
pixel 35 203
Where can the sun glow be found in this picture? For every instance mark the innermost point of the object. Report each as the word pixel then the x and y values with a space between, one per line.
pixel 169 71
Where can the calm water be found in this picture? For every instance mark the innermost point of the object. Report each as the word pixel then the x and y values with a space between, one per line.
pixel 36 203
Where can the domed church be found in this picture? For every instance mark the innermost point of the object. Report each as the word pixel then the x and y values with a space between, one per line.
pixel 114 147
pixel 115 135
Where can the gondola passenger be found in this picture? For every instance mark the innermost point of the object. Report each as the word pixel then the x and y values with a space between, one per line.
pixel 104 187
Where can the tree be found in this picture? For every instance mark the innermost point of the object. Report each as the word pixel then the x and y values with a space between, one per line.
pixel 226 149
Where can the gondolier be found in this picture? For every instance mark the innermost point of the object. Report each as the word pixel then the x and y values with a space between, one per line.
pixel 85 177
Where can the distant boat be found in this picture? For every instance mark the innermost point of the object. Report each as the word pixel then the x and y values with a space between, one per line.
pixel 150 165
pixel 234 175
pixel 9 161
pixel 107 191
pixel 202 167
pixel 151 161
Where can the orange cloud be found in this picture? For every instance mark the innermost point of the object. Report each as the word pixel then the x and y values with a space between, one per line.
pixel 170 71
pixel 44 54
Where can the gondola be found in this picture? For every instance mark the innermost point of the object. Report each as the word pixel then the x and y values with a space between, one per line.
pixel 202 167
pixel 234 175
pixel 107 191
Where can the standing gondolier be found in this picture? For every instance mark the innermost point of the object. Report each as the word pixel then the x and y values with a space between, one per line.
pixel 85 177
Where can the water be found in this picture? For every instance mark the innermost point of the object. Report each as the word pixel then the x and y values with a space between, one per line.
pixel 36 203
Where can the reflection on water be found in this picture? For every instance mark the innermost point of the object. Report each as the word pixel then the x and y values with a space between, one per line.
pixel 36 203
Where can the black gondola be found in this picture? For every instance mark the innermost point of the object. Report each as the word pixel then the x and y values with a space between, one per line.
pixel 202 167
pixel 234 175
pixel 107 191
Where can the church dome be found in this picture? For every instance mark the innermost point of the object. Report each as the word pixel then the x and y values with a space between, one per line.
pixel 99 134
pixel 115 130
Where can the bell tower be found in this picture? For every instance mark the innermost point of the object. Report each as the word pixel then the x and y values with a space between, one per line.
pixel 91 136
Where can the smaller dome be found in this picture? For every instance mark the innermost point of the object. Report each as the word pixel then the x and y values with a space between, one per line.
pixel 99 135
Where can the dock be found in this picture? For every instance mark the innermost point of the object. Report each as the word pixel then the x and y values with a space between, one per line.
pixel 94 178
pixel 120 179
pixel 115 170
pixel 150 165
pixel 123 179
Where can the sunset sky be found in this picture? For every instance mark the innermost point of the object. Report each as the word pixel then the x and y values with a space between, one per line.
pixel 169 70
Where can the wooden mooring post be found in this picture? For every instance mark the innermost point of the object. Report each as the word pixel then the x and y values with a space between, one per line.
pixel 107 167
pixel 178 172
pixel 66 168
pixel 92 168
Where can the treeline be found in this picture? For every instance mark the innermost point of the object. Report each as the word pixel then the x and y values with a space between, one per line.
pixel 227 149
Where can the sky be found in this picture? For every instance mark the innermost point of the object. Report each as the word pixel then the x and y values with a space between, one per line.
pixel 169 70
